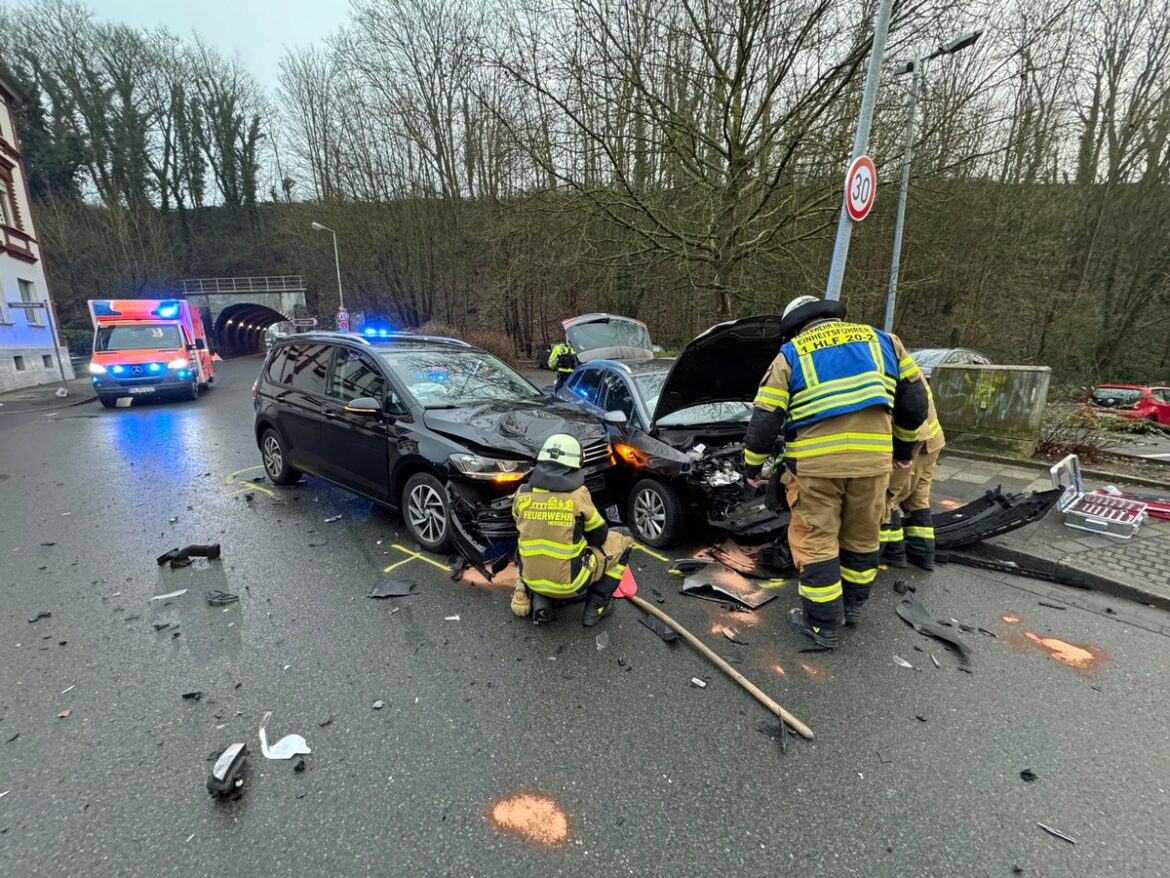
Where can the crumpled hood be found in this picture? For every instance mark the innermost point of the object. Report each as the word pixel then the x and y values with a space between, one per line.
pixel 723 364
pixel 515 428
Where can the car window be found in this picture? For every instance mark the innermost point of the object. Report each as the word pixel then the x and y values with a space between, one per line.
pixel 1163 393
pixel 309 368
pixel 588 386
pixel 355 375
pixel 980 359
pixel 1116 397
pixel 277 364
pixel 138 337
pixel 616 397
pixel 650 386
pixel 451 378
pixel 929 356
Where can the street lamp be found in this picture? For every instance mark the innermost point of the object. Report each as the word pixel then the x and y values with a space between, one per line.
pixel 913 67
pixel 317 227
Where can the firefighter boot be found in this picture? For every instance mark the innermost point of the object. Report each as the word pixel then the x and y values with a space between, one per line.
pixel 826 638
pixel 521 602
pixel 920 538
pixel 853 614
pixel 595 612
pixel 542 609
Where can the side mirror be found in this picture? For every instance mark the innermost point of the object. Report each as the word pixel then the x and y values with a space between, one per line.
pixel 364 405
pixel 615 417
pixel 200 344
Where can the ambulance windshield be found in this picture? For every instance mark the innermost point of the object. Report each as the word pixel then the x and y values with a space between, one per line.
pixel 138 337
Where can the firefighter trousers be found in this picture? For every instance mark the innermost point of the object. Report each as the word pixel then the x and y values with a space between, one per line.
pixel 909 493
pixel 833 536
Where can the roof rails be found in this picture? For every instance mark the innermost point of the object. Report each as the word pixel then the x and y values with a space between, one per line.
pixel 370 340
pixel 603 362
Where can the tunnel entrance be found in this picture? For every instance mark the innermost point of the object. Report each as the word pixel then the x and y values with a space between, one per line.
pixel 239 328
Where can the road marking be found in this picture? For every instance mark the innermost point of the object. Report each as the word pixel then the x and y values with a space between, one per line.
pixel 651 553
pixel 397 564
pixel 421 557
pixel 231 477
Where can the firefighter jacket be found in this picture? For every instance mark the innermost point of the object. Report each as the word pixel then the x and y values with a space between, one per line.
pixel 563 358
pixel 931 431
pixel 557 522
pixel 848 397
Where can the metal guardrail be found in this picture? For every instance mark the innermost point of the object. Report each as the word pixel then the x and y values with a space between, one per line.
pixel 284 283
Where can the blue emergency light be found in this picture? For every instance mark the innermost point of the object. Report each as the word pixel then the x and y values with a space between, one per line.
pixel 117 370
pixel 168 310
pixel 377 332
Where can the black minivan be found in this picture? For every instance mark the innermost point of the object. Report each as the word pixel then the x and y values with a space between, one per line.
pixel 398 417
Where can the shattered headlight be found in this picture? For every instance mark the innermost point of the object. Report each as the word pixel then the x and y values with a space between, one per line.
pixel 489 469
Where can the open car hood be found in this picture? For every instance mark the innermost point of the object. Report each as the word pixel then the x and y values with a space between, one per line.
pixel 608 337
pixel 723 364
pixel 514 428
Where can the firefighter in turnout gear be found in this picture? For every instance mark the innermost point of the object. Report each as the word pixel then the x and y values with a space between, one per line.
pixel 909 493
pixel 566 549
pixel 850 401
pixel 562 359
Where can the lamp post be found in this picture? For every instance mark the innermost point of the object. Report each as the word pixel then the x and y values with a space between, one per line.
pixel 317 227
pixel 914 68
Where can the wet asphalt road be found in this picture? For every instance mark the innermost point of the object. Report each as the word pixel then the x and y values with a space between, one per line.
pixel 656 777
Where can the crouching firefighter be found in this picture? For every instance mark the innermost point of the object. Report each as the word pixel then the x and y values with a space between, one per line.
pixel 850 400
pixel 908 531
pixel 566 549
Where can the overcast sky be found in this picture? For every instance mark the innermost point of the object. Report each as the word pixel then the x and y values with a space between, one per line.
pixel 257 30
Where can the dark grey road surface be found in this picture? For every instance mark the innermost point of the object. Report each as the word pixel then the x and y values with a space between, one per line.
pixel 656 777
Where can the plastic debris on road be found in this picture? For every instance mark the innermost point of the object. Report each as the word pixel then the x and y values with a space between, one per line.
pixel 394 588
pixel 914 613
pixel 65 714
pixel 1028 775
pixel 226 778
pixel 717 583
pixel 898 660
pixel 286 748
pixel 379 704
pixel 332 519
pixel 659 627
pixel 1057 833
pixel 698 683
pixel 41 615
pixel 196 695
pixel 733 635
pixel 936 664
pixel 222 598
pixel 454 618
pixel 182 557
pixel 602 640
pixel 169 595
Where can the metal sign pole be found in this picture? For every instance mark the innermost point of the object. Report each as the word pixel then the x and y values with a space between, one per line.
pixel 900 222
pixel 860 144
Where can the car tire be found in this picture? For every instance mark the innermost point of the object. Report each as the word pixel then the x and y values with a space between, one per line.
pixel 655 513
pixel 274 459
pixel 191 391
pixel 108 401
pixel 425 513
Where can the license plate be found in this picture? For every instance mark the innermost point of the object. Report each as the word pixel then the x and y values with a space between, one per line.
pixel 141 390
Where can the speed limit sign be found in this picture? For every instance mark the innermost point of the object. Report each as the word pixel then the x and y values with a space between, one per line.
pixel 860 188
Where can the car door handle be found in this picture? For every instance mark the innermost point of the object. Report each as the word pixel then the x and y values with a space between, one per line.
pixel 329 413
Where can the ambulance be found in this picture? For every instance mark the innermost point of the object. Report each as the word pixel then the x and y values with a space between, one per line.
pixel 148 348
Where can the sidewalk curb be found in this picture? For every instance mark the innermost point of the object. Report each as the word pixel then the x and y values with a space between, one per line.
pixel 1102 475
pixel 1093 581
pixel 61 404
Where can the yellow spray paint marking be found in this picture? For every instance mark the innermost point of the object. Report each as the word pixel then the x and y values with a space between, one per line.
pixel 243 487
pixel 419 556
pixel 397 564
pixel 251 486
pixel 772 583
pixel 231 477
pixel 651 553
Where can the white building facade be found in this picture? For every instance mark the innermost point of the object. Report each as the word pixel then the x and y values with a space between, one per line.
pixel 27 355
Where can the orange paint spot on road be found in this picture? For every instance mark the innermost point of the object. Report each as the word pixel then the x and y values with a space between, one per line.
pixel 947 503
pixel 1078 656
pixel 532 817
pixel 815 672
pixel 779 670
pixel 1010 619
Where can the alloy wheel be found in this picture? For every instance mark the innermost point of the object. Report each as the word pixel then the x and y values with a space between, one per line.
pixel 273 457
pixel 649 514
pixel 427 514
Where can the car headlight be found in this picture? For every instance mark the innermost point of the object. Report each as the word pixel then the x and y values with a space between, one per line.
pixel 97 369
pixel 490 469
pixel 178 363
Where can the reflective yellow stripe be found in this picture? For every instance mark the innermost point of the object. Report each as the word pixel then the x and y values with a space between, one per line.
pixel 872 394
pixel 551 549
pixel 840 384
pixel 905 435
pixel 922 533
pixel 835 442
pixel 935 428
pixel 891 536
pixel 616 571
pixel 595 521
pixel 808 369
pixel 907 368
pixel 859 577
pixel 773 396
pixel 547 586
pixel 754 458
pixel 821 594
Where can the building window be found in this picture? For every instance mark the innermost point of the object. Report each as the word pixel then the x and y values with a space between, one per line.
pixel 19 361
pixel 28 293
pixel 5 207
pixel 46 361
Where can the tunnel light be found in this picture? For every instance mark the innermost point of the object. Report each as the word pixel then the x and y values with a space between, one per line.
pixel 229 323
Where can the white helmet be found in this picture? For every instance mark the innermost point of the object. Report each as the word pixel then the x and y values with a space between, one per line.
pixel 563 449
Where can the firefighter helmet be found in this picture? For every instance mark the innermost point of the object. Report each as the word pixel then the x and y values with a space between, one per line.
pixel 804 309
pixel 563 449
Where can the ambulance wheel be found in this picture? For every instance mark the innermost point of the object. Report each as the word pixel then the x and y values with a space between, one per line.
pixel 655 514
pixel 275 460
pixel 191 391
pixel 424 511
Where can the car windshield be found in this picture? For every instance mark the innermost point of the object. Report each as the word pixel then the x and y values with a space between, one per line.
pixel 138 337
pixel 1116 397
pixel 930 357
pixel 650 387
pixel 609 333
pixel 446 379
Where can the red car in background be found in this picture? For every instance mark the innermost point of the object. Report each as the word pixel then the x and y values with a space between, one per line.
pixel 1132 401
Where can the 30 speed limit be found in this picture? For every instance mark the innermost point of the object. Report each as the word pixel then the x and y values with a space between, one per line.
pixel 860 188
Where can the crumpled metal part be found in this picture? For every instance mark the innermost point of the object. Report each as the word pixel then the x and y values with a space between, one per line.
pixel 914 612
